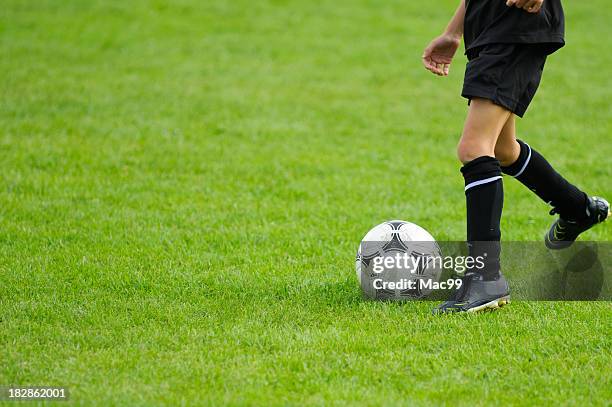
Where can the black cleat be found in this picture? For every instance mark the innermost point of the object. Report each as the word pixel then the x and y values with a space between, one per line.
pixel 563 232
pixel 476 294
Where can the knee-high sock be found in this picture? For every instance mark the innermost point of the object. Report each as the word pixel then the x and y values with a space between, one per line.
pixel 484 194
pixel 537 174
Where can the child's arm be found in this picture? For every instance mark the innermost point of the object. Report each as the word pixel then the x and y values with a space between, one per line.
pixel 440 52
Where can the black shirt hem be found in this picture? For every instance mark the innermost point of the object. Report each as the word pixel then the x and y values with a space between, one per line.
pixel 556 41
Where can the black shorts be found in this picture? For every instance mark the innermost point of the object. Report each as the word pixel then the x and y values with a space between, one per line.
pixel 506 74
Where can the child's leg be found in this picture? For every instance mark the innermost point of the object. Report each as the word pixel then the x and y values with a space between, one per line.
pixel 577 212
pixel 525 164
pixel 483 125
pixel 484 195
pixel 507 148
pixel 483 182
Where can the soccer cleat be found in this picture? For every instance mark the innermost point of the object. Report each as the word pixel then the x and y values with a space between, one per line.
pixel 477 294
pixel 563 232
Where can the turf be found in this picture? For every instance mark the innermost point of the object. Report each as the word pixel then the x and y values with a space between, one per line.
pixel 183 186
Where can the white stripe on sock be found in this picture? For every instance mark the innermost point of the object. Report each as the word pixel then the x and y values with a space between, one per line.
pixel 482 181
pixel 526 162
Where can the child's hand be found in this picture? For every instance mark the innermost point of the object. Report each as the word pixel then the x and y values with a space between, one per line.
pixel 532 6
pixel 439 54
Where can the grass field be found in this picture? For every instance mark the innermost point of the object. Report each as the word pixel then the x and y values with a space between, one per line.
pixel 183 186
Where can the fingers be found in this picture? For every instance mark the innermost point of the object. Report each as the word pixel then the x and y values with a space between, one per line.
pixel 529 5
pixel 431 65
pixel 439 68
pixel 428 62
pixel 533 6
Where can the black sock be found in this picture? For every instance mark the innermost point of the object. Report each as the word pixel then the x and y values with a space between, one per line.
pixel 484 194
pixel 538 175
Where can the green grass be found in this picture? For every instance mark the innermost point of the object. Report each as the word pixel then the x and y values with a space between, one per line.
pixel 183 186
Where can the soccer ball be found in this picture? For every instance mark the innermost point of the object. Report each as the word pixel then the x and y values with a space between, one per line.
pixel 393 262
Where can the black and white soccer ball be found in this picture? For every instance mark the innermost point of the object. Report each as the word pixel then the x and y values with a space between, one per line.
pixel 413 245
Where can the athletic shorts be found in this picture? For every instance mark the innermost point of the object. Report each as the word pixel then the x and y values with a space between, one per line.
pixel 506 74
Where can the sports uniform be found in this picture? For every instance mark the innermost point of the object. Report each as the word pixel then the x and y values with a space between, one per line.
pixel 507 48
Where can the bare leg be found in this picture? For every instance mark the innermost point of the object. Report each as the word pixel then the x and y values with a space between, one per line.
pixel 507 149
pixel 482 128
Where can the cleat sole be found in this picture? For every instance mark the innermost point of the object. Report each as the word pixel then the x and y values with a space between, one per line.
pixel 558 245
pixel 491 305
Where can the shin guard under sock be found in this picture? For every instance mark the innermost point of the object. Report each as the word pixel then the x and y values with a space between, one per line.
pixel 533 171
pixel 484 195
